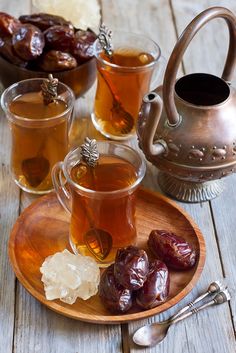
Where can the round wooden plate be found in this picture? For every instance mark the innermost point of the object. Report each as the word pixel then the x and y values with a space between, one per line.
pixel 42 229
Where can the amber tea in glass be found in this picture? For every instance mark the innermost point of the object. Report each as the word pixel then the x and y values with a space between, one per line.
pixel 102 200
pixel 39 132
pixel 123 80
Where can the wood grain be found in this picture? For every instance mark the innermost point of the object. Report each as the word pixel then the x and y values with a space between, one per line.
pixel 9 210
pixel 42 229
pixel 207 51
pixel 225 231
pixel 9 205
pixel 38 329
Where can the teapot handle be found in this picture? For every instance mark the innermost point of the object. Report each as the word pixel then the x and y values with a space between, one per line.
pixel 176 56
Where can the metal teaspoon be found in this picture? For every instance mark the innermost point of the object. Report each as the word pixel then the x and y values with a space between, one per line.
pixel 153 334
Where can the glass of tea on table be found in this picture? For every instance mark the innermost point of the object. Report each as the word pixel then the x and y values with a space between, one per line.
pixel 39 132
pixel 122 80
pixel 101 200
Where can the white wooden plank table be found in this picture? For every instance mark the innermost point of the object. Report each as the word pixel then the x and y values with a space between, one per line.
pixel 28 327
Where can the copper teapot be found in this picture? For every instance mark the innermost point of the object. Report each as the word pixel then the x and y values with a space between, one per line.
pixel 191 136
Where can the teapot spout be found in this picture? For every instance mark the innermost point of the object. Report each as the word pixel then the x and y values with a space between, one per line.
pixel 149 117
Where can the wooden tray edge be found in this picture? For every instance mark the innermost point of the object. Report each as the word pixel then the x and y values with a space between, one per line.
pixel 113 319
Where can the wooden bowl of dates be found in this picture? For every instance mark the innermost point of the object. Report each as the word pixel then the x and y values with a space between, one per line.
pixel 79 79
pixel 35 45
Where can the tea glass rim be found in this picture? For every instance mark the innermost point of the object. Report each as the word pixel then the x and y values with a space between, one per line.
pixel 20 118
pixel 97 50
pixel 103 193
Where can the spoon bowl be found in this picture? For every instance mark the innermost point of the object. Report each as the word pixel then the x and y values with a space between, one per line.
pixel 152 334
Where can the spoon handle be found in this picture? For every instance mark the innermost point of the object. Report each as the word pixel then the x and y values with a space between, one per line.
pixel 219 298
pixel 214 287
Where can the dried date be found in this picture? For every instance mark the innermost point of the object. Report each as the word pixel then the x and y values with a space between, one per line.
pixel 131 267
pixel 174 250
pixel 7 51
pixel 156 287
pixel 55 60
pixel 82 46
pixel 8 24
pixel 45 20
pixel 59 38
pixel 28 42
pixel 59 48
pixel 114 296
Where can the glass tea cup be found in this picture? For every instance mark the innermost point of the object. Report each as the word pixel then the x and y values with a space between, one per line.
pixel 122 81
pixel 39 134
pixel 101 200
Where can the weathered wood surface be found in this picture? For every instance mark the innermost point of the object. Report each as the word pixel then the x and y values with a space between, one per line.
pixel 28 327
pixel 9 211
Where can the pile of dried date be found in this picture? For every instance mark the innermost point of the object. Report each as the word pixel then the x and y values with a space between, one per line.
pixel 44 42
pixel 134 278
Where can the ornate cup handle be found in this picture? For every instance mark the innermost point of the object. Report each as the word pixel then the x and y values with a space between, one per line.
pixel 179 50
pixel 59 184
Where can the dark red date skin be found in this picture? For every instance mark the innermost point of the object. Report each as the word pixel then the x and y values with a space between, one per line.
pixel 8 24
pixel 44 20
pixel 115 297
pixel 55 60
pixel 174 250
pixel 82 46
pixel 59 38
pixel 156 287
pixel 7 51
pixel 131 267
pixel 28 42
pixel 59 48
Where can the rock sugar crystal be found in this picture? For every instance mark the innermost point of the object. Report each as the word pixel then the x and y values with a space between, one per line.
pixel 67 276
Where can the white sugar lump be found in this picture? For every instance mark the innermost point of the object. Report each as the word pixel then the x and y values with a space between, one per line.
pixel 67 276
